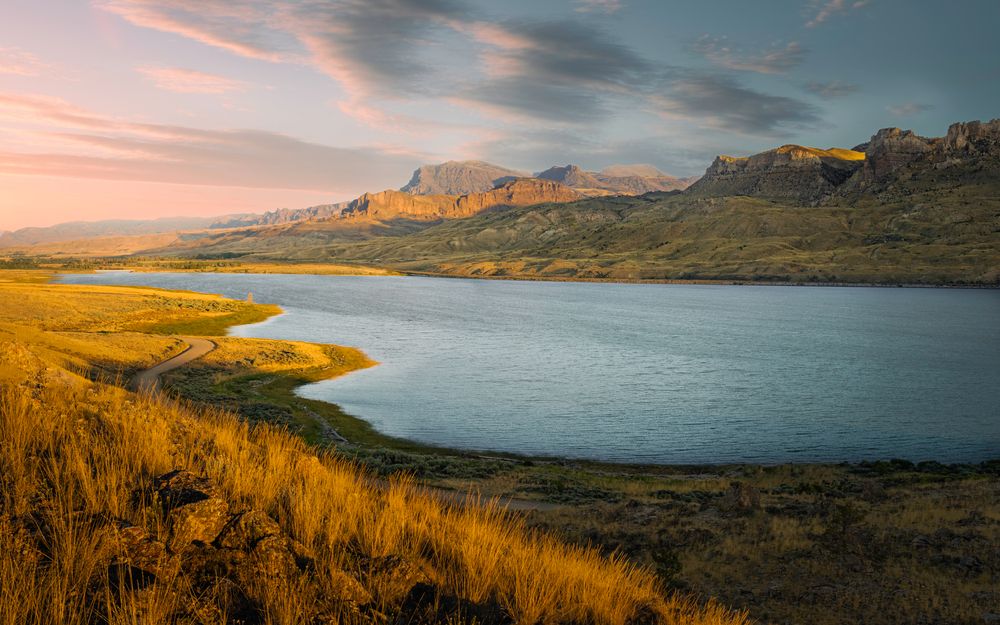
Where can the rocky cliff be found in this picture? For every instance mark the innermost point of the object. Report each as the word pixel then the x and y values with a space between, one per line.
pixel 458 178
pixel 399 205
pixel 892 153
pixel 973 138
pixel 889 150
pixel 789 172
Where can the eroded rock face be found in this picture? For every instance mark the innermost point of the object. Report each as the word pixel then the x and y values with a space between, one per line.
pixel 971 138
pixel 891 149
pixel 396 204
pixel 789 172
pixel 521 192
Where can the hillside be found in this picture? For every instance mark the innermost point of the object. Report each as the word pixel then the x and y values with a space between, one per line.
pixel 102 229
pixel 920 240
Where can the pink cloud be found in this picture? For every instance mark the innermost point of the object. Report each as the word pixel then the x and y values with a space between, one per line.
pixel 239 26
pixel 180 80
pixel 113 149
pixel 18 62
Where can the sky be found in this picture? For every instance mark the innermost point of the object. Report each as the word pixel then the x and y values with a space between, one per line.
pixel 149 108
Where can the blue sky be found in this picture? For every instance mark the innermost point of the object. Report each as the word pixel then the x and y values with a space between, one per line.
pixel 113 108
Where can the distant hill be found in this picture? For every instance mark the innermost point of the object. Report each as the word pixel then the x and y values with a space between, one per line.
pixel 458 178
pixel 107 228
pixel 615 180
pixel 452 179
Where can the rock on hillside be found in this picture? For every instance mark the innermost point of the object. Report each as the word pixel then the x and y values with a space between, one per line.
pixel 789 172
pixel 458 178
pixel 399 205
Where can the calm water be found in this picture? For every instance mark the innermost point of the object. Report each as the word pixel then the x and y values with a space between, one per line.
pixel 650 373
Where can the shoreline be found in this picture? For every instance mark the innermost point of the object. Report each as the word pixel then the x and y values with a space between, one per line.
pixel 708 282
pixel 377 271
pixel 362 434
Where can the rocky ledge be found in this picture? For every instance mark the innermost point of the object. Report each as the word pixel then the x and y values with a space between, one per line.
pixel 398 205
pixel 789 172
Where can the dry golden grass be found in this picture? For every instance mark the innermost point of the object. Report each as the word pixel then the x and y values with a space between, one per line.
pixel 247 355
pixel 98 330
pixel 61 307
pixel 70 454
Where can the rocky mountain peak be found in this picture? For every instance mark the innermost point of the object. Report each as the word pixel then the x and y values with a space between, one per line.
pixel 458 178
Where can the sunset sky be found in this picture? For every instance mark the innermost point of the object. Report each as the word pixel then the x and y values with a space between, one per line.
pixel 147 108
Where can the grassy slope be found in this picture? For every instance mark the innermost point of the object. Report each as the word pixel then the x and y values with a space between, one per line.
pixel 931 226
pixel 920 240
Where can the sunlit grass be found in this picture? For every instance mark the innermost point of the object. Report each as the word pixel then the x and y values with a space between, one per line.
pixel 72 453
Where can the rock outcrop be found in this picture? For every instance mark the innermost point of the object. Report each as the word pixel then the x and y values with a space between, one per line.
pixel 891 149
pixel 389 204
pixel 458 178
pixel 790 172
pixel 973 138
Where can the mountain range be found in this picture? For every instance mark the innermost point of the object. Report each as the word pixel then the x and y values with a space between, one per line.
pixel 898 207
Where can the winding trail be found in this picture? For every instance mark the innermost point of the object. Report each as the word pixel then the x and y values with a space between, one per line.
pixel 149 379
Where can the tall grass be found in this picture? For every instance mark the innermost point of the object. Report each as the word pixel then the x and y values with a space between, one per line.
pixel 72 457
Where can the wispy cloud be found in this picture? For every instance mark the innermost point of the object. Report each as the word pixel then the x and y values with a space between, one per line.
pixel 776 59
pixel 721 102
pixel 834 89
pixel 180 80
pixel 18 62
pixel 532 72
pixel 829 8
pixel 244 27
pixel 908 109
pixel 599 6
pixel 115 149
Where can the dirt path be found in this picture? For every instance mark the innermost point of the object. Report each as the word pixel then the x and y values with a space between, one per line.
pixel 149 379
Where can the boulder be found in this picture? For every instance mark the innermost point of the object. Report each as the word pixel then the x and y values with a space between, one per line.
pixel 194 513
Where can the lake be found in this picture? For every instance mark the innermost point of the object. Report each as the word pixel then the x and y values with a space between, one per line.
pixel 647 373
